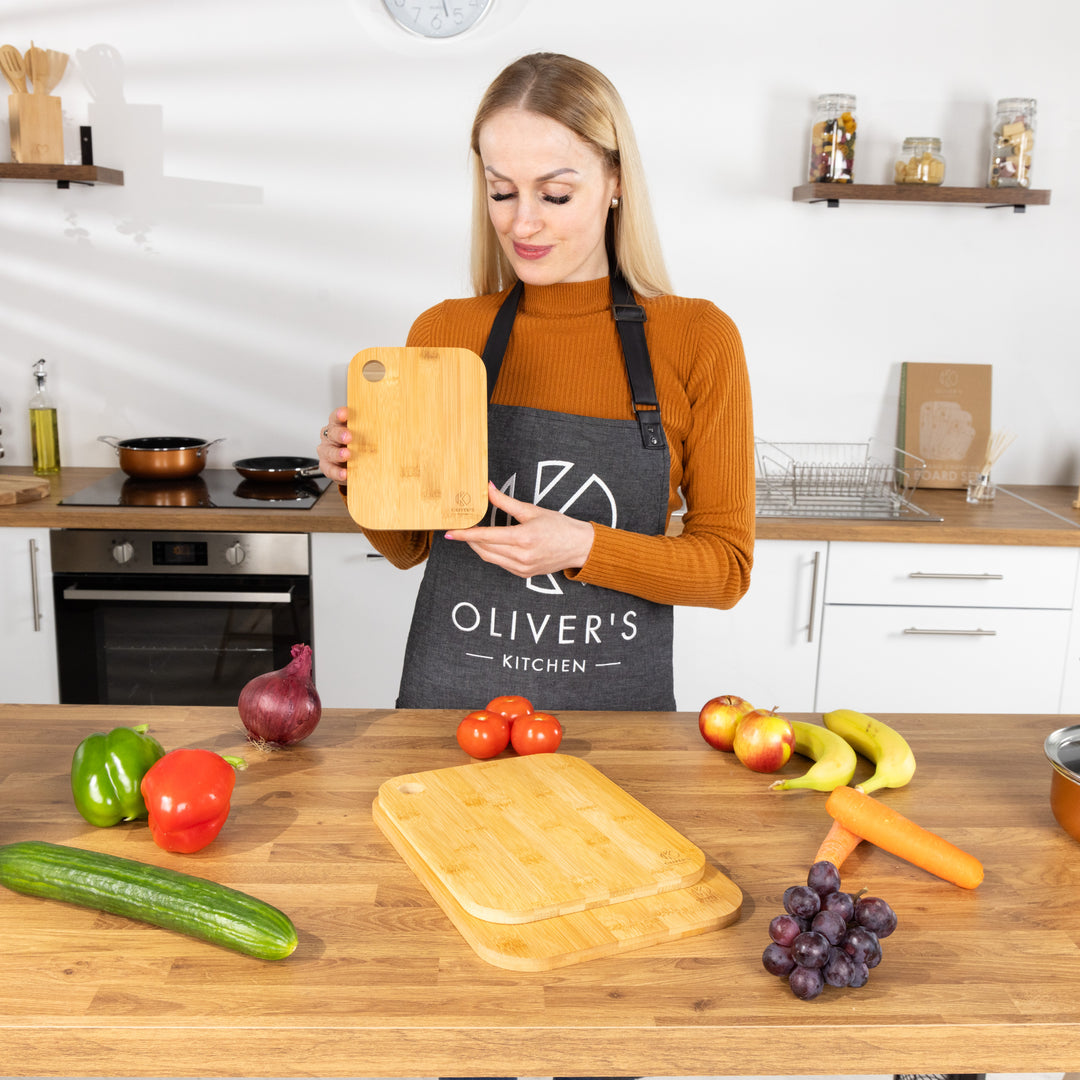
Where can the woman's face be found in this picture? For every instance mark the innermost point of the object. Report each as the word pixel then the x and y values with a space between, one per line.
pixel 548 197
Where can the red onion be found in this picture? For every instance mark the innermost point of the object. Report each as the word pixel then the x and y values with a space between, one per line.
pixel 282 707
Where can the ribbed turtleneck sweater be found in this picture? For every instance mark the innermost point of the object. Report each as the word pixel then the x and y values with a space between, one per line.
pixel 565 356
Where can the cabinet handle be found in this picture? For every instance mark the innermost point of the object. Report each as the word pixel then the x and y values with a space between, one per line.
pixel 955 633
pixel 959 577
pixel 35 599
pixel 813 598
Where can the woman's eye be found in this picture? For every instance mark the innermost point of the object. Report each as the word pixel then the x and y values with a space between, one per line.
pixel 499 196
pixel 558 200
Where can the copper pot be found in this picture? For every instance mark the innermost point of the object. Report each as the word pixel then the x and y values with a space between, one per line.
pixel 160 457
pixel 1063 750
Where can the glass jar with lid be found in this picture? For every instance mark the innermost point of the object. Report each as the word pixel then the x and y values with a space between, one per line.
pixel 832 141
pixel 1012 143
pixel 920 162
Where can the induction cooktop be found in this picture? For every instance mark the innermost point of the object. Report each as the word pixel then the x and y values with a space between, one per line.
pixel 212 488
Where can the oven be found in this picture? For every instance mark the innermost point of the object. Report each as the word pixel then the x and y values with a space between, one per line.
pixel 175 618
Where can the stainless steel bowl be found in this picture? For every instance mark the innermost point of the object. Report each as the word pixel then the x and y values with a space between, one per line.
pixel 1063 750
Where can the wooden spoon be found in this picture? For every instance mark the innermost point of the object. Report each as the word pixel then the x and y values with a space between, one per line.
pixel 36 66
pixel 11 64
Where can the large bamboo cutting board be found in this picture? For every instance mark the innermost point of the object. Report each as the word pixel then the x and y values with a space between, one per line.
pixel 518 839
pixel 713 902
pixel 419 450
pixel 17 489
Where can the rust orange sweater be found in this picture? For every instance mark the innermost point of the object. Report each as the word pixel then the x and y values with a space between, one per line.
pixel 564 355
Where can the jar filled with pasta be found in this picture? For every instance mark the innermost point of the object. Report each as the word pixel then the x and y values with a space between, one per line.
pixel 1012 143
pixel 920 162
pixel 832 141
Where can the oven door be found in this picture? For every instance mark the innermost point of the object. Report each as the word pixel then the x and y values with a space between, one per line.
pixel 164 639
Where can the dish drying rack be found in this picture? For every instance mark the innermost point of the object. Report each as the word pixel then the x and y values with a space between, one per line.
pixel 836 480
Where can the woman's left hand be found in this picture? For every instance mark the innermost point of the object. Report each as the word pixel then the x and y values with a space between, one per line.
pixel 542 541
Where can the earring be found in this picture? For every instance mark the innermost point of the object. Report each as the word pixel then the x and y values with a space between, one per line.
pixel 614 203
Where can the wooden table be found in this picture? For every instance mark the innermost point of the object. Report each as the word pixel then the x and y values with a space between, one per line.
pixel 382 985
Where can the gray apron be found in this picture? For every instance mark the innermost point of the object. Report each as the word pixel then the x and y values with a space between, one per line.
pixel 479 631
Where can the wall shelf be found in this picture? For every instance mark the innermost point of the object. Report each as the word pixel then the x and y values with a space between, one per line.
pixel 833 194
pixel 64 175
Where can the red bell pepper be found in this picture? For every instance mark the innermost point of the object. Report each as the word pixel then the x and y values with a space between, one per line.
pixel 187 794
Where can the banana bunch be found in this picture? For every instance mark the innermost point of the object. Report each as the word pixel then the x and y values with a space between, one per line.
pixel 886 748
pixel 834 760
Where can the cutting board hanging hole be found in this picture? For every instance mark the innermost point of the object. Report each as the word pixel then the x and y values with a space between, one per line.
pixel 410 789
pixel 374 371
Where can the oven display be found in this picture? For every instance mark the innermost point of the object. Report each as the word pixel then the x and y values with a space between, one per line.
pixel 179 553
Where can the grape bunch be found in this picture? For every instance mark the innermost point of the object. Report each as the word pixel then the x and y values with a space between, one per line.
pixel 826 937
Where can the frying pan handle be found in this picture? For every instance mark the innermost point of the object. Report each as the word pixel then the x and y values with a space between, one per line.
pixel 311 470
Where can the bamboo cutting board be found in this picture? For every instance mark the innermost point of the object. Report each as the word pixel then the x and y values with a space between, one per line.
pixel 419 424
pixel 713 902
pixel 519 839
pixel 17 489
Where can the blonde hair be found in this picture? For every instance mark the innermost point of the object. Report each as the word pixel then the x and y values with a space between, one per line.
pixel 582 99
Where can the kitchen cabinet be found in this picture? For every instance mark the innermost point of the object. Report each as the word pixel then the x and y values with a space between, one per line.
pixel 1070 684
pixel 28 671
pixel 361 610
pixel 765 649
pixel 945 627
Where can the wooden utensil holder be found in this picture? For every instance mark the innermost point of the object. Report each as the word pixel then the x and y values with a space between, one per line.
pixel 37 129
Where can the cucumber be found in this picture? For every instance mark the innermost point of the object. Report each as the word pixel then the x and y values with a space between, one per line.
pixel 151 894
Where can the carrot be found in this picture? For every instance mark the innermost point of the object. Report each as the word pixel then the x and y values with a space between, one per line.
pixel 873 821
pixel 838 844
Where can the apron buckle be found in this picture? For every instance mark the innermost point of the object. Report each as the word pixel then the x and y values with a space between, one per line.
pixel 628 312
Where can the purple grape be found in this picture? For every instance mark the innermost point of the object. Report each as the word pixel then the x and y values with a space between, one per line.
pixel 839 968
pixel 873 913
pixel 806 983
pixel 859 943
pixel 859 976
pixel 842 903
pixel 823 878
pixel 830 925
pixel 810 950
pixel 802 901
pixel 777 959
pixel 784 929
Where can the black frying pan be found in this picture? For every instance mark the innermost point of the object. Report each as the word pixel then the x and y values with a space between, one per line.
pixel 277 469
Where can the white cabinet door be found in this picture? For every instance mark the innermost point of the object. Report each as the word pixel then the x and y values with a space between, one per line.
pixel 27 625
pixel 1070 685
pixel 361 610
pixel 765 649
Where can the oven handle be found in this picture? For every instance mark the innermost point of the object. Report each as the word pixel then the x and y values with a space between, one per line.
pixel 74 592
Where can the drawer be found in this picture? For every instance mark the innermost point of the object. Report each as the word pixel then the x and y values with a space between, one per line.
pixel 951 575
pixel 942 660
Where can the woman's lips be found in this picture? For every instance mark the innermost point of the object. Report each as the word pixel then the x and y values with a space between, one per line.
pixel 530 251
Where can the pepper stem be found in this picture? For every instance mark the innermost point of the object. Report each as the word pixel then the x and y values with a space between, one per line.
pixel 238 763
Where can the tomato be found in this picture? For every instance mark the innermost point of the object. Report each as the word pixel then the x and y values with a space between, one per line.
pixel 512 706
pixel 483 734
pixel 540 733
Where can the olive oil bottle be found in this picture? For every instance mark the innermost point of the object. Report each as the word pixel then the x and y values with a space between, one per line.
pixel 44 433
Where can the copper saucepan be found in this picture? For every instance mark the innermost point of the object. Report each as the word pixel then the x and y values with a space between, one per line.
pixel 1063 750
pixel 160 457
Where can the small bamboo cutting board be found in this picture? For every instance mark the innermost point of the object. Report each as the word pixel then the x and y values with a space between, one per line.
pixel 17 489
pixel 710 904
pixel 525 838
pixel 419 450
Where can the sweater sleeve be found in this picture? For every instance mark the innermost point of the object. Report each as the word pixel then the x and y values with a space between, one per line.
pixel 708 564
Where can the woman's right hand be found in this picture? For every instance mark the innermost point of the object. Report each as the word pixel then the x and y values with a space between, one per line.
pixel 333 447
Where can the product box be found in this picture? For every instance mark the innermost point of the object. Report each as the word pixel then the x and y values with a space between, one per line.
pixel 945 420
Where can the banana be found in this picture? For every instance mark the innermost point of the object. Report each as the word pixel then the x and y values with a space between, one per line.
pixel 886 748
pixel 834 760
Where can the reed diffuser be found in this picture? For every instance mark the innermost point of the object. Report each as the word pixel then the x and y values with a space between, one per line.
pixel 981 489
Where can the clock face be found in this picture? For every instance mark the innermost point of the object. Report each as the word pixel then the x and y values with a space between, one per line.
pixel 437 18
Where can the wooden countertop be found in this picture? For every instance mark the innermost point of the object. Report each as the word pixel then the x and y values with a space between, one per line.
pixel 382 985
pixel 1024 514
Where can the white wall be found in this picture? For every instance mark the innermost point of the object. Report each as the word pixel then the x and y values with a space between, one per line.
pixel 296 190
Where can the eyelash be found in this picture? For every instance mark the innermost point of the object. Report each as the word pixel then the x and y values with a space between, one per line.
pixel 556 200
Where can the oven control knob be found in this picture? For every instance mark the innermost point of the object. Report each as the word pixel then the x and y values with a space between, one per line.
pixel 234 555
pixel 123 552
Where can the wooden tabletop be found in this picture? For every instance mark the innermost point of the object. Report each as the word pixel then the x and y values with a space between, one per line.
pixel 383 985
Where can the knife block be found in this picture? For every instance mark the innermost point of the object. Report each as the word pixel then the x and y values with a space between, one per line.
pixel 37 129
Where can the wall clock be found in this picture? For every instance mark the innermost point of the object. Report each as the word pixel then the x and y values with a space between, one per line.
pixel 437 18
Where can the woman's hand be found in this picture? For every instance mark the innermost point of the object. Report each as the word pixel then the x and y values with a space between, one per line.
pixel 543 541
pixel 333 450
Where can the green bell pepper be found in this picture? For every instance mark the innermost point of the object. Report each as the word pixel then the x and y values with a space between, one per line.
pixel 107 770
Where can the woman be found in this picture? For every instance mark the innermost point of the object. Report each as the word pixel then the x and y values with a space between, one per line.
pixel 608 411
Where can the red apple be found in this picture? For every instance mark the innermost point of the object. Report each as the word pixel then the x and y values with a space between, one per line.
pixel 764 741
pixel 720 717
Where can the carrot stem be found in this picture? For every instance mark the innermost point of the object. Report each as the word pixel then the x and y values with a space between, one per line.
pixel 873 821
pixel 838 844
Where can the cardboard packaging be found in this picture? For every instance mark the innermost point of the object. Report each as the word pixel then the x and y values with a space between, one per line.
pixel 37 129
pixel 945 420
